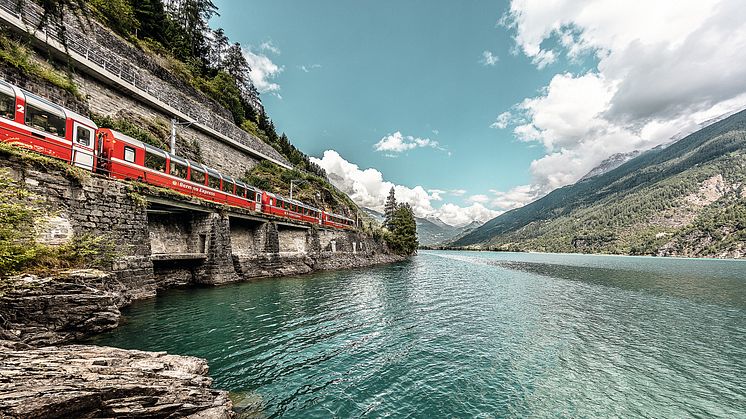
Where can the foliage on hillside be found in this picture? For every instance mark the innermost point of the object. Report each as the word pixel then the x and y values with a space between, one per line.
pixel 16 54
pixel 687 199
pixel 202 57
pixel 313 189
pixel 154 132
pixel 177 32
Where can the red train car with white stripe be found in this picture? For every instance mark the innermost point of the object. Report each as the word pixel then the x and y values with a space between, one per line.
pixel 124 157
pixel 37 124
pixel 34 123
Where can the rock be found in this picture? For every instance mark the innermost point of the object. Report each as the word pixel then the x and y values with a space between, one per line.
pixel 92 381
pixel 48 311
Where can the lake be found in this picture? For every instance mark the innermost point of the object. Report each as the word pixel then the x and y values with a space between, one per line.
pixel 469 334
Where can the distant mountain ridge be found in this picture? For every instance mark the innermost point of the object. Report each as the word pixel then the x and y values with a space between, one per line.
pixel 686 199
pixel 618 159
pixel 431 231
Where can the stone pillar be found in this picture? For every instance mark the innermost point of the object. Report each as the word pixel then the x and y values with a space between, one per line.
pixel 218 268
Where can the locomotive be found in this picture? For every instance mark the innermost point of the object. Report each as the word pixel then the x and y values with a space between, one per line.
pixel 36 124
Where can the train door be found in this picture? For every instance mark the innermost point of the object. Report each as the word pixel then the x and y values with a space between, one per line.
pixel 83 146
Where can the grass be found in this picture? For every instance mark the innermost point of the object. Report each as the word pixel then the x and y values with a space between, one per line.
pixel 34 160
pixel 20 56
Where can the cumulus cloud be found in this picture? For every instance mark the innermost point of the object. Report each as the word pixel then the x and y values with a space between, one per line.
pixel 460 216
pixel 661 70
pixel 502 121
pixel 479 198
pixel 368 188
pixel 398 143
pixel 268 46
pixel 263 72
pixel 489 59
pixel 514 198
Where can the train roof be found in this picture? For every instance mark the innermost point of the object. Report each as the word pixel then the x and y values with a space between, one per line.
pixel 66 112
pixel 339 216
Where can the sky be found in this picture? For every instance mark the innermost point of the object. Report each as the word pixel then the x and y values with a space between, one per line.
pixel 470 108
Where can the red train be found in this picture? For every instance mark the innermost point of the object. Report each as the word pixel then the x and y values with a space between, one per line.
pixel 36 124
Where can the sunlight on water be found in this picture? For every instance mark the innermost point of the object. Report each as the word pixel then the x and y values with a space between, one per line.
pixel 459 334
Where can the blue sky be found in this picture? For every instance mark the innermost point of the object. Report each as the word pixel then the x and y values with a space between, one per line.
pixel 346 76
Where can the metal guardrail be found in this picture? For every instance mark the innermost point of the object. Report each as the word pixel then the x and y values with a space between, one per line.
pixel 132 76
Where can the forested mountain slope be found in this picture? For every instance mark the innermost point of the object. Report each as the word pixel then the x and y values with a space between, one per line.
pixel 688 199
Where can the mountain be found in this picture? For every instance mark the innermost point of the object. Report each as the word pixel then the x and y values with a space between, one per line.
pixel 618 159
pixel 686 199
pixel 377 216
pixel 611 163
pixel 431 230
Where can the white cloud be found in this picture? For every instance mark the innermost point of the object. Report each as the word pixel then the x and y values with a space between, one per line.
pixel 479 199
pixel 458 192
pixel 514 198
pixel 263 72
pixel 489 59
pixel 460 216
pixel 268 46
pixel 398 143
pixel 661 70
pixel 308 68
pixel 436 194
pixel 368 189
pixel 502 121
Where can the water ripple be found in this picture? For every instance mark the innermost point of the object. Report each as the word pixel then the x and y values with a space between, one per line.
pixel 452 334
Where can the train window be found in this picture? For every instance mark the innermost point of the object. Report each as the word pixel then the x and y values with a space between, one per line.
pixel 240 191
pixel 129 154
pixel 83 136
pixel 155 161
pixel 250 195
pixel 213 181
pixel 7 105
pixel 178 169
pixel 227 186
pixel 197 176
pixel 45 121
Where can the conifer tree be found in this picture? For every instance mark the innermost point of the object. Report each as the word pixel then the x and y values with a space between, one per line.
pixel 403 238
pixel 389 208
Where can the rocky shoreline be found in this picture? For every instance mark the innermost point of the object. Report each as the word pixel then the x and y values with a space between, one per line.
pixel 43 381
pixel 44 375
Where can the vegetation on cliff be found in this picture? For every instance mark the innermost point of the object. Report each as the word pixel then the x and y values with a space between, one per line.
pixel 307 187
pixel 22 222
pixel 688 199
pixel 16 54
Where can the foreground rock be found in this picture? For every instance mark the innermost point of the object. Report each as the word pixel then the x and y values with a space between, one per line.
pixel 91 381
pixel 49 311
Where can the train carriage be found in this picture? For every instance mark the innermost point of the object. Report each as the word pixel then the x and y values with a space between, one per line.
pixel 124 157
pixel 34 123
pixel 290 208
pixel 338 221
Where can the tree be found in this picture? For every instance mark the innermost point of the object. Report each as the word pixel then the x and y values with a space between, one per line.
pixel 152 18
pixel 403 237
pixel 218 49
pixel 389 208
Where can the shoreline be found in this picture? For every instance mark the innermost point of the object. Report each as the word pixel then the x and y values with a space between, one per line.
pixel 47 369
pixel 664 257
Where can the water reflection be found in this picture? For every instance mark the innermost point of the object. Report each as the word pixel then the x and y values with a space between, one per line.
pixel 469 334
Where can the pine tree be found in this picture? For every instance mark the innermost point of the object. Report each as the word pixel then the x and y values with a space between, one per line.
pixel 152 18
pixel 218 48
pixel 403 238
pixel 389 208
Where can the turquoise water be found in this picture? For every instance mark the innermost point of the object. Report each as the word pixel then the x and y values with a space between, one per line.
pixel 461 334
